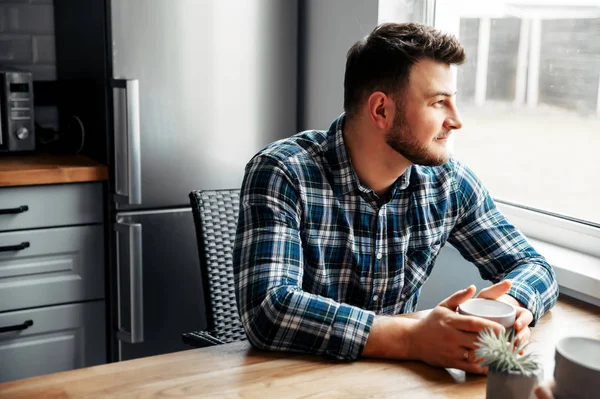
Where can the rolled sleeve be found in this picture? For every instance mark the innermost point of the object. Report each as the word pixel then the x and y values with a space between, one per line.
pixel 535 287
pixel 268 265
pixel 350 331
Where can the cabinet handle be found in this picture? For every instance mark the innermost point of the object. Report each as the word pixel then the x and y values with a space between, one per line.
pixel 18 247
pixel 19 209
pixel 17 327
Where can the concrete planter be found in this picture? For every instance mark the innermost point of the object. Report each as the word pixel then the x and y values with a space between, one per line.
pixel 502 385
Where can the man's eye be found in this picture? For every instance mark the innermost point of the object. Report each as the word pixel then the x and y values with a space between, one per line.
pixel 439 103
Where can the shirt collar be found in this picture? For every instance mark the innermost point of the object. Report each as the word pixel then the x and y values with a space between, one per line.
pixel 402 182
pixel 345 179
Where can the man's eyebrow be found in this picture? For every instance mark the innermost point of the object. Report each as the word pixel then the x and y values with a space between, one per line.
pixel 442 93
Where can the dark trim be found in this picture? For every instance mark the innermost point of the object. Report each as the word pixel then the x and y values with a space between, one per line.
pixel 112 305
pixel 301 57
pixel 46 93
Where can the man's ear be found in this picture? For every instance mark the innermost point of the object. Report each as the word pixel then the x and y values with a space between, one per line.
pixel 380 106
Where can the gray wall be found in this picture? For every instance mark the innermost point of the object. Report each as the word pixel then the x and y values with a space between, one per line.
pixel 450 274
pixel 327 29
pixel 27 43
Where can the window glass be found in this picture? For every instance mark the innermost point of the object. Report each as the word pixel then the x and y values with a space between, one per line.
pixel 529 97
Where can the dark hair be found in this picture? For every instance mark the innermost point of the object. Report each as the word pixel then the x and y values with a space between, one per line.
pixel 382 60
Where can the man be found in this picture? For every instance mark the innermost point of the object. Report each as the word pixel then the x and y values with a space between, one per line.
pixel 338 229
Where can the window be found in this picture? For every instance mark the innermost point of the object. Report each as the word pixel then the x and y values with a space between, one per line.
pixel 529 96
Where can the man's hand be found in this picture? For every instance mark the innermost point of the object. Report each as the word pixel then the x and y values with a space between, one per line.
pixel 444 337
pixel 524 316
pixel 447 339
pixel 545 390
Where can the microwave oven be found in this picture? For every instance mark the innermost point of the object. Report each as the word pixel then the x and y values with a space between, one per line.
pixel 16 111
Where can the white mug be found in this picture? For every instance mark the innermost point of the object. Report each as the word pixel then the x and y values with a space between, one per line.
pixel 500 312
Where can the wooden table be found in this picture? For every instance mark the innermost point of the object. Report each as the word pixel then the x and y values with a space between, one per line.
pixel 237 370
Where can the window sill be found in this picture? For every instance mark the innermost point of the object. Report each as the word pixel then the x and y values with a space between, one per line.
pixel 572 249
pixel 577 274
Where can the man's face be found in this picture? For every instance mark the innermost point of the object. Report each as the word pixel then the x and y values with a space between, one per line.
pixel 425 115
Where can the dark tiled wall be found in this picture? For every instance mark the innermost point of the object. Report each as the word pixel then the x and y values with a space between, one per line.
pixel 27 43
pixel 27 37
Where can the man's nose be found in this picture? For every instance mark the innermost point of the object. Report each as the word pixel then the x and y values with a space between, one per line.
pixel 454 121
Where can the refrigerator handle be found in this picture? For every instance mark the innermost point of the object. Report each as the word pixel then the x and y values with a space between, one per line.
pixel 128 168
pixel 133 232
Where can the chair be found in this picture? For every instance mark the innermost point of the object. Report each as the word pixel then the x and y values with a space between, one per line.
pixel 215 218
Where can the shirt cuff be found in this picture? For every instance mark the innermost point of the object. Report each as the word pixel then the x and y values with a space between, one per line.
pixel 349 332
pixel 529 297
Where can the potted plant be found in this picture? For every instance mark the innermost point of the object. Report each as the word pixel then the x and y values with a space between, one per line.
pixel 511 374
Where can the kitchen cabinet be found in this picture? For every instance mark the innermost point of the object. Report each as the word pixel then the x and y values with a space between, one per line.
pixel 61 338
pixel 52 287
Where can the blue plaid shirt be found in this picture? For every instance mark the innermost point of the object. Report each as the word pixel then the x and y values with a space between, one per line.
pixel 317 255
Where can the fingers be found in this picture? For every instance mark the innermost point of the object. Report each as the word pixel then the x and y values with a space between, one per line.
pixel 464 340
pixel 496 290
pixel 544 391
pixel 524 318
pixel 523 336
pixel 459 297
pixel 463 359
pixel 464 354
pixel 473 324
pixel 473 368
pixel 467 340
pixel 469 365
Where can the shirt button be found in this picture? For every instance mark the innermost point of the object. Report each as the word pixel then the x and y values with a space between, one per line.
pixel 379 255
pixel 375 298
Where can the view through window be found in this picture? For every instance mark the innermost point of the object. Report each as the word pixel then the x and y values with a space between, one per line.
pixel 529 96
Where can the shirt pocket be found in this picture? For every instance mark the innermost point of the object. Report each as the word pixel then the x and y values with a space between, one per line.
pixel 418 264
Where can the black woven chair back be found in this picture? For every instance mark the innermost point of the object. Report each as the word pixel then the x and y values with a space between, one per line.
pixel 215 219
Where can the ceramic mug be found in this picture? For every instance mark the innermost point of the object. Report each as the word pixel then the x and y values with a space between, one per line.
pixel 577 368
pixel 500 312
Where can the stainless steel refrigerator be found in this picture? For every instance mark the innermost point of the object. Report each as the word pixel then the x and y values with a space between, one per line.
pixel 174 95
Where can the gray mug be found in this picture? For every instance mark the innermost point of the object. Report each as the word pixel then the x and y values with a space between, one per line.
pixel 577 368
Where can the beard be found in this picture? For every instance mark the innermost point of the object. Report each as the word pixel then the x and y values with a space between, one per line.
pixel 400 138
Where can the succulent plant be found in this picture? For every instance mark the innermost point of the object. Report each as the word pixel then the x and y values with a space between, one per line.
pixel 500 353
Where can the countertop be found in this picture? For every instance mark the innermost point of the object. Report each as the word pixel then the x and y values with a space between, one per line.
pixel 36 169
pixel 238 370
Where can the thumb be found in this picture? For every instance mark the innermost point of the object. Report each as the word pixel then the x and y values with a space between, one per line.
pixel 459 297
pixel 496 290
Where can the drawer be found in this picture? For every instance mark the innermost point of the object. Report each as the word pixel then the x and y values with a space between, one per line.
pixel 58 265
pixel 50 205
pixel 61 338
